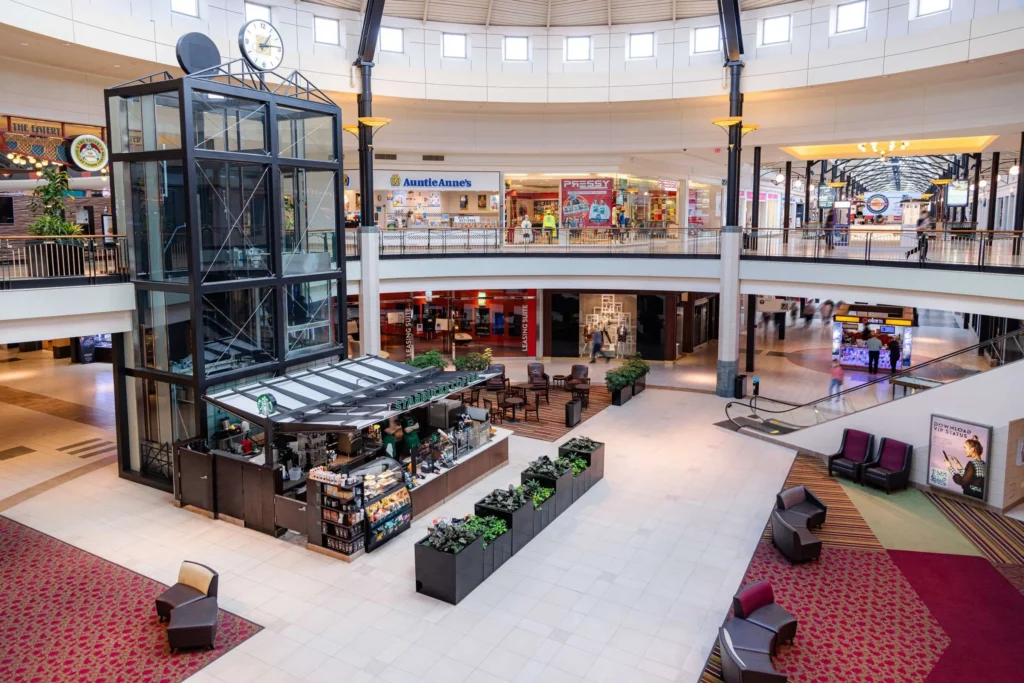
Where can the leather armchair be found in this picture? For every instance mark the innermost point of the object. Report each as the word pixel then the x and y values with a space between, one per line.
pixel 890 469
pixel 538 380
pixel 792 538
pixel 195 582
pixel 578 375
pixel 799 500
pixel 854 451
pixel 499 383
pixel 745 666
pixel 755 603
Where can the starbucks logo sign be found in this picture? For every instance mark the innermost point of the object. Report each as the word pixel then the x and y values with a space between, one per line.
pixel 266 404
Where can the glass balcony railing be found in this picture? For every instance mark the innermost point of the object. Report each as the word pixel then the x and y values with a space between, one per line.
pixel 775 417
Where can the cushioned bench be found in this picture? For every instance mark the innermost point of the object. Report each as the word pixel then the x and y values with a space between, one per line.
pixel 193 625
pixel 745 666
pixel 195 582
pixel 756 604
pixel 791 536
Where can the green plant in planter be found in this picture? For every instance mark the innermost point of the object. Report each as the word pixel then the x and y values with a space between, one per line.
pixel 578 465
pixel 617 380
pixel 490 527
pixel 451 538
pixel 430 359
pixel 582 444
pixel 506 500
pixel 540 496
pixel 639 365
pixel 473 361
pixel 548 468
pixel 48 203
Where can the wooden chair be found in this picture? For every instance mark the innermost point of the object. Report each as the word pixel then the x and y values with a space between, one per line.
pixel 494 413
pixel 578 375
pixel 534 409
pixel 471 397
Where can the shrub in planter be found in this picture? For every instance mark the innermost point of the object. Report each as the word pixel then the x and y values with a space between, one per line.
pixel 638 369
pixel 430 359
pixel 543 506
pixel 497 544
pixel 553 474
pixel 588 449
pixel 473 361
pixel 449 562
pixel 510 505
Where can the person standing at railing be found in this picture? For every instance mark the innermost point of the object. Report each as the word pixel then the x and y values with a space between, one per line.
pixel 830 228
pixel 922 238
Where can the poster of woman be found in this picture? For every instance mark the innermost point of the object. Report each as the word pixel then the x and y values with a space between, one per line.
pixel 958 456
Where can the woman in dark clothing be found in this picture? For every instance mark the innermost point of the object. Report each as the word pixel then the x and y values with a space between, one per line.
pixel 830 227
pixel 894 354
pixel 971 477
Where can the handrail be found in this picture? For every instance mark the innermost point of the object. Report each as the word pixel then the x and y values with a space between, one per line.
pixel 62 237
pixel 879 380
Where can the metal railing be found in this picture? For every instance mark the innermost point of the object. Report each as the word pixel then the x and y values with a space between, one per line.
pixel 539 242
pixel 769 415
pixel 960 247
pixel 351 243
pixel 51 261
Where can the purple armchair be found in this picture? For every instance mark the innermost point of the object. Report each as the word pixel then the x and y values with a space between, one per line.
pixel 853 453
pixel 891 467
pixel 755 603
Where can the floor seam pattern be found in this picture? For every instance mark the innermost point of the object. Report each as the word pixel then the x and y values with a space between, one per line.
pixel 52 483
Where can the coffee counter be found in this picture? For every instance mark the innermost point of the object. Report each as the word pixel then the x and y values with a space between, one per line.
pixel 471 466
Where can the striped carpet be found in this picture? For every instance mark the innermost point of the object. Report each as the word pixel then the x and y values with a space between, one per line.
pixel 551 426
pixel 844 527
pixel 1000 539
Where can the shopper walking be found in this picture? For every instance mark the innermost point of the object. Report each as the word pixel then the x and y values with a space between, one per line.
pixel 874 345
pixel 922 238
pixel 894 355
pixel 596 344
pixel 837 374
pixel 830 227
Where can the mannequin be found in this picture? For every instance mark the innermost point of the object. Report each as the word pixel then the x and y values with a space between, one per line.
pixel 621 337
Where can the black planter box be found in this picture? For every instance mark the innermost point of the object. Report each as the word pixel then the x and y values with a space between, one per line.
pixel 542 516
pixel 520 522
pixel 562 497
pixel 497 553
pixel 594 458
pixel 581 484
pixel 622 396
pixel 640 385
pixel 446 576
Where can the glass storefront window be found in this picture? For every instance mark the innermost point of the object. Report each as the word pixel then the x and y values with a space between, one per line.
pixel 311 315
pixel 164 341
pixel 305 134
pixel 229 124
pixel 309 221
pixel 144 123
pixel 234 208
pixel 238 329
pixel 166 411
pixel 151 203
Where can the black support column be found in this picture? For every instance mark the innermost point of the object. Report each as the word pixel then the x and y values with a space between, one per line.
pixel 755 202
pixel 751 336
pixel 993 190
pixel 789 197
pixel 808 174
pixel 974 197
pixel 1018 213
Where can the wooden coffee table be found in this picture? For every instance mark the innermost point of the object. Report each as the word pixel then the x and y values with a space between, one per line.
pixel 513 402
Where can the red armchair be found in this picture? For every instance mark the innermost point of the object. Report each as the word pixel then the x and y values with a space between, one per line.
pixel 854 451
pixel 890 469
pixel 755 602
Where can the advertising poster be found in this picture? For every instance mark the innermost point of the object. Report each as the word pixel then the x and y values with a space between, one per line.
pixel 956 193
pixel 958 456
pixel 587 202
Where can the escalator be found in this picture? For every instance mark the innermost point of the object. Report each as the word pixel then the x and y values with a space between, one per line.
pixel 774 417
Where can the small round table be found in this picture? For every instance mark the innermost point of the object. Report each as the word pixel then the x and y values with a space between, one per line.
pixel 582 392
pixel 559 380
pixel 512 402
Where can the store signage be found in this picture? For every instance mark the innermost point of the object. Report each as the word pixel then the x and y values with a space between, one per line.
pixel 587 202
pixel 876 204
pixel 526 327
pixel 88 153
pixel 439 391
pixel 958 456
pixel 43 129
pixel 672 185
pixel 409 351
pixel 439 180
pixel 72 130
pixel 266 404
pixel 826 195
pixel 898 322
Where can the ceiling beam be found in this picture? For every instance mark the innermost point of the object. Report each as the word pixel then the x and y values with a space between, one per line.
pixel 674 13
pixel 549 14
pixel 609 13
pixel 490 6
pixel 426 9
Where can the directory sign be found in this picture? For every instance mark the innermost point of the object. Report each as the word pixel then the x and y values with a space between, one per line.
pixel 826 195
pixel 956 193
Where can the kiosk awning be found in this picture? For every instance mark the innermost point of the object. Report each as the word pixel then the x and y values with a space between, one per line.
pixel 342 396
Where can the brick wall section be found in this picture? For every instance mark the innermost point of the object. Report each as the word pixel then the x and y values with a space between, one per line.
pixel 24 216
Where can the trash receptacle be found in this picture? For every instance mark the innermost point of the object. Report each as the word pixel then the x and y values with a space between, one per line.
pixel 740 390
pixel 573 413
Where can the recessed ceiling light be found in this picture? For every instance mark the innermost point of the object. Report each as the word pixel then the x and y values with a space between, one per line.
pixel 117 66
pixel 24 44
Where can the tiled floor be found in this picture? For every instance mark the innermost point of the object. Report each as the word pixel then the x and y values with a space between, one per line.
pixel 629 585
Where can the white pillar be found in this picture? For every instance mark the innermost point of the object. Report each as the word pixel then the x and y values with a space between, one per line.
pixel 728 313
pixel 369 290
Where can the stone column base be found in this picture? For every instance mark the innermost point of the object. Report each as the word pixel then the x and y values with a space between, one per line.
pixel 727 370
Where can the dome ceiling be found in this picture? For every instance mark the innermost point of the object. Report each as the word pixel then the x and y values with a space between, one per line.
pixel 548 12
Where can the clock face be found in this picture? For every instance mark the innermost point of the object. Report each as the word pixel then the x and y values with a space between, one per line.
pixel 261 45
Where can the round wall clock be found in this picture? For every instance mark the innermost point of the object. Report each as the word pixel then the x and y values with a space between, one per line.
pixel 261 45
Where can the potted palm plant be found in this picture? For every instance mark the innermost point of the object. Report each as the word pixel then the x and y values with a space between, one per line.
pixel 58 257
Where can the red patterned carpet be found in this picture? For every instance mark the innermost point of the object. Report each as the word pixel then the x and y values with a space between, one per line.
pixel 67 615
pixel 860 619
pixel 977 607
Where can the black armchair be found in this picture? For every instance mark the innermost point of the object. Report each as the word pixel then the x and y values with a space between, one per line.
pixel 745 666
pixel 854 451
pixel 800 501
pixel 791 536
pixel 890 469
pixel 498 383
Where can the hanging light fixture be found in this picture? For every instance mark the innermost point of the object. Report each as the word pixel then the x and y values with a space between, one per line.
pixel 780 177
pixel 1015 169
pixel 982 183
